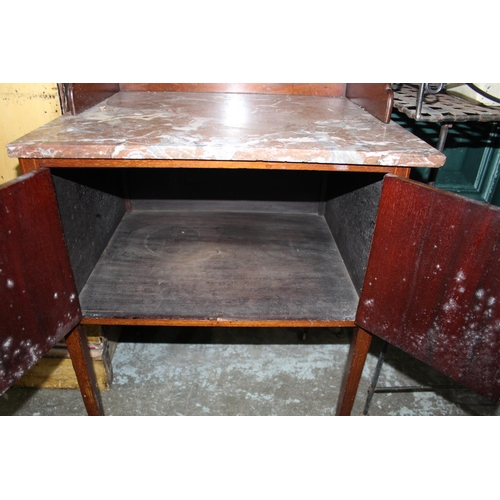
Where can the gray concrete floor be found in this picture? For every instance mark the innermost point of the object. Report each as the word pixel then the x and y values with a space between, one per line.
pixel 230 371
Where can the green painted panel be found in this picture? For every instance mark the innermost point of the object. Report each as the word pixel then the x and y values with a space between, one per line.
pixel 472 152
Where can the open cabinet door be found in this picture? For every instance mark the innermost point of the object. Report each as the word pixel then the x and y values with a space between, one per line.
pixel 432 285
pixel 38 299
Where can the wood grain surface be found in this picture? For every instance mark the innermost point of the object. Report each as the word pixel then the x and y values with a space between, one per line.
pixel 242 268
pixel 432 286
pixel 39 303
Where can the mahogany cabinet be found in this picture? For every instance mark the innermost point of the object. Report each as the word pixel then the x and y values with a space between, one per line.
pixel 439 303
pixel 237 205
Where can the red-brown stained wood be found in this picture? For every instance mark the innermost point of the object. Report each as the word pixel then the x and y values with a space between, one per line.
pixel 320 89
pixel 432 286
pixel 28 165
pixel 39 304
pixel 221 322
pixel 360 344
pixel 78 349
pixel 83 96
pixel 211 164
pixel 376 98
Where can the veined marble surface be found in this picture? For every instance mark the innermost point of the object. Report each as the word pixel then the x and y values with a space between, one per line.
pixel 241 127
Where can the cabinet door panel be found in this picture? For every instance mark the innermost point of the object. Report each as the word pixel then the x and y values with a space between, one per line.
pixel 38 300
pixel 432 287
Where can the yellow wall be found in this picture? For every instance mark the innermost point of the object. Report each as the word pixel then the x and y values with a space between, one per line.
pixel 23 107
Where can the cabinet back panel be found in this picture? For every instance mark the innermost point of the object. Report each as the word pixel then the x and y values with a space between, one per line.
pixel 233 190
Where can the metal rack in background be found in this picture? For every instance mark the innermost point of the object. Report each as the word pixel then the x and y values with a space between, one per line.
pixel 427 102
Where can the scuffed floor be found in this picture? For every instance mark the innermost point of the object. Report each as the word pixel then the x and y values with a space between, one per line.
pixel 229 371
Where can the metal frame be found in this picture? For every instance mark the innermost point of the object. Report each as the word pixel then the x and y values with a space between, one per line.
pixel 403 388
pixel 414 102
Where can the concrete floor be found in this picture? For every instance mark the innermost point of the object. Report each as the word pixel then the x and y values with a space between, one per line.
pixel 230 371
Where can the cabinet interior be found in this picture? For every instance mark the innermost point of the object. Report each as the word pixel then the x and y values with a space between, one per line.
pixel 242 247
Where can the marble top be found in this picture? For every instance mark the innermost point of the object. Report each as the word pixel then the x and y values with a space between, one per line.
pixel 238 127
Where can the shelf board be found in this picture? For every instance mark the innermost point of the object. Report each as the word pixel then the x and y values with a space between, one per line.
pixel 208 268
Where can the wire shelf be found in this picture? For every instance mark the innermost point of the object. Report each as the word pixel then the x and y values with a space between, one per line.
pixel 441 107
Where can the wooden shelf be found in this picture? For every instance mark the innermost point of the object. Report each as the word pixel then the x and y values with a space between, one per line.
pixel 208 268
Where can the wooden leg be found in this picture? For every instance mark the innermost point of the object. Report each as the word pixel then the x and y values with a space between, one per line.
pixel 358 351
pixel 82 363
